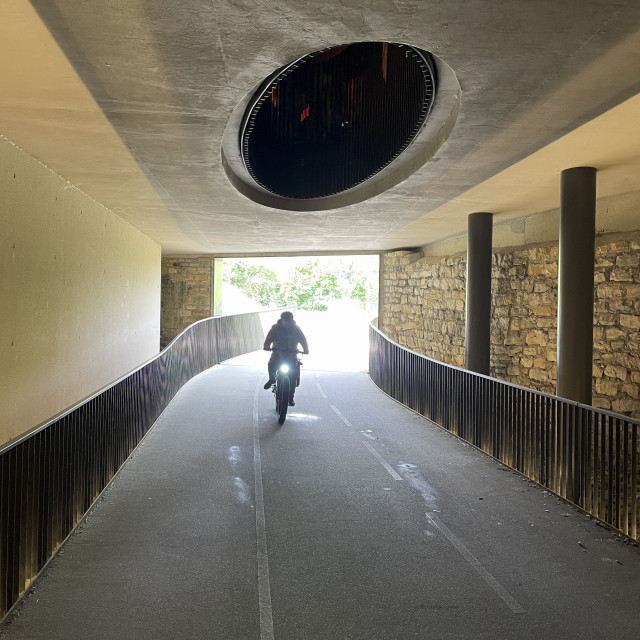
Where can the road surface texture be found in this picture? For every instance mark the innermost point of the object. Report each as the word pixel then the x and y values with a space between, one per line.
pixel 356 519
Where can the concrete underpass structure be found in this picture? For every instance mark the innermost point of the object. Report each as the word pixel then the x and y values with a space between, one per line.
pixel 355 519
pixel 128 106
pixel 117 194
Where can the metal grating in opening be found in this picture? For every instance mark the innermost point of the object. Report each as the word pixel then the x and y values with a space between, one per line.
pixel 334 118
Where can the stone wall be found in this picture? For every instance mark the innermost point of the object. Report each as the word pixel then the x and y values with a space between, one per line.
pixel 524 287
pixel 422 304
pixel 423 308
pixel 616 363
pixel 187 294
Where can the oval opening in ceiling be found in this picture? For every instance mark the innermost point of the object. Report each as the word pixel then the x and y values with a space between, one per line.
pixel 334 118
pixel 338 126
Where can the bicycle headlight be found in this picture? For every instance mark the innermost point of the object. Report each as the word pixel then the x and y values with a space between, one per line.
pixel 284 368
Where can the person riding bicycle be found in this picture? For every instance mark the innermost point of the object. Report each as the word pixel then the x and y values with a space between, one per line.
pixel 283 340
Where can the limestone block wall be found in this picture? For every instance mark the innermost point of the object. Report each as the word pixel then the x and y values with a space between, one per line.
pixel 524 288
pixel 422 304
pixel 422 307
pixel 616 363
pixel 187 294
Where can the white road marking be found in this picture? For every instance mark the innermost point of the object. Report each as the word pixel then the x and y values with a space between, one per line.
pixel 341 416
pixel 264 585
pixel 322 393
pixel 508 599
pixel 424 489
pixel 382 461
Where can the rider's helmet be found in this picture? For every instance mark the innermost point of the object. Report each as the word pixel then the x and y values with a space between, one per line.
pixel 286 315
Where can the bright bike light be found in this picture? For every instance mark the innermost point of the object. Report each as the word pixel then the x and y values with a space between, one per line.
pixel 284 368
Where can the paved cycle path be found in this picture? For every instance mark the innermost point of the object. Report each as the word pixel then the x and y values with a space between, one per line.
pixel 356 519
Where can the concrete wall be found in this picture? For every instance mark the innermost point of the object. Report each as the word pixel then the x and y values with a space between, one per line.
pixel 79 294
pixel 423 308
pixel 187 293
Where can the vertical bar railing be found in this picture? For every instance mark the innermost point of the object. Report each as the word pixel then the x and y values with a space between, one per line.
pixel 585 455
pixel 50 476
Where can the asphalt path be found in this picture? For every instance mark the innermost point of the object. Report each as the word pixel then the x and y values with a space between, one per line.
pixel 355 519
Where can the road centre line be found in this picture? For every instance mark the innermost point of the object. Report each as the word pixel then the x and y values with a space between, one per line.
pixel 341 416
pixel 508 599
pixel 322 393
pixel 264 584
pixel 382 461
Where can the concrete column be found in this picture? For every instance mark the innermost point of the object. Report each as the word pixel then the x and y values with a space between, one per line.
pixel 575 283
pixel 478 305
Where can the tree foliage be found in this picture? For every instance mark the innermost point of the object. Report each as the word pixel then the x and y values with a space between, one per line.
pixel 258 282
pixel 310 285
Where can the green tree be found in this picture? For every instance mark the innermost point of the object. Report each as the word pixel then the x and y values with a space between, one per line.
pixel 360 292
pixel 258 282
pixel 311 287
pixel 358 285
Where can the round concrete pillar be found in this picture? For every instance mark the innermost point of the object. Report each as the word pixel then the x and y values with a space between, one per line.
pixel 478 304
pixel 575 283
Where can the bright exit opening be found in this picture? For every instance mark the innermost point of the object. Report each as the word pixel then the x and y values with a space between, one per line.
pixel 336 297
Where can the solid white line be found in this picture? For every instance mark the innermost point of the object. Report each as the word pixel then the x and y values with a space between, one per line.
pixel 382 461
pixel 264 585
pixel 341 416
pixel 322 393
pixel 509 600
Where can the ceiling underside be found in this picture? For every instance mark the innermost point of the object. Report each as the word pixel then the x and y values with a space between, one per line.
pixel 128 100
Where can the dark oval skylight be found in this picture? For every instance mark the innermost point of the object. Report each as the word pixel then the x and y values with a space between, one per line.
pixel 334 118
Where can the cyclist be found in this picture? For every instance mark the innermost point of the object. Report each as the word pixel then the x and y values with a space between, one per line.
pixel 283 340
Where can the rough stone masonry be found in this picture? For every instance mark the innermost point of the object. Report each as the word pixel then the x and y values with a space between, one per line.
pixel 423 308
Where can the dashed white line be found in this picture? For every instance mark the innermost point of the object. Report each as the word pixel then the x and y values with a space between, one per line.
pixel 341 416
pixel 508 599
pixel 322 393
pixel 382 461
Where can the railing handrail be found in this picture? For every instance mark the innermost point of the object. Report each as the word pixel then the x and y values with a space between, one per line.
pixel 52 474
pixel 585 455
pixel 567 401
pixel 43 425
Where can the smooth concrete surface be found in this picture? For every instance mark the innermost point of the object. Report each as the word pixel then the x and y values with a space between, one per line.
pixel 79 294
pixel 130 100
pixel 356 519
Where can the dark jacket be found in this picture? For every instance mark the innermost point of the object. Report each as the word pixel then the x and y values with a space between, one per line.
pixel 285 338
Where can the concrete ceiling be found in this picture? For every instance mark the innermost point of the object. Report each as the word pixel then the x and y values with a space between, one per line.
pixel 128 100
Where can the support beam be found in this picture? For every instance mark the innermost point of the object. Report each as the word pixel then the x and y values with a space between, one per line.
pixel 478 306
pixel 575 283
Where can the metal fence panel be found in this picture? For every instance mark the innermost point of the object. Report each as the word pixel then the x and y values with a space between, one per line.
pixel 585 455
pixel 51 476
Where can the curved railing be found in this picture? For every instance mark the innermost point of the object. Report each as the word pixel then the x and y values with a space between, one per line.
pixel 50 476
pixel 585 455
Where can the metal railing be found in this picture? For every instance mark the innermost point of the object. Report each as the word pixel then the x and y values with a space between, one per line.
pixel 585 455
pixel 51 476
